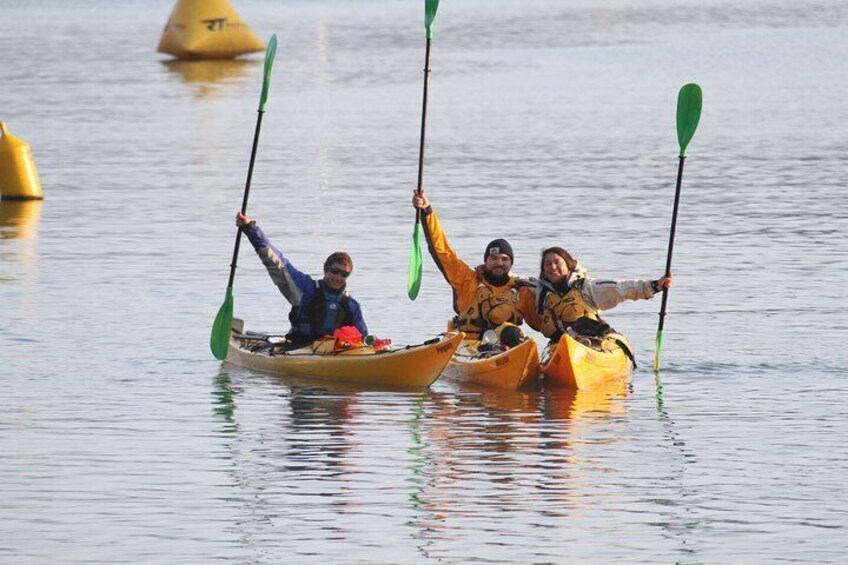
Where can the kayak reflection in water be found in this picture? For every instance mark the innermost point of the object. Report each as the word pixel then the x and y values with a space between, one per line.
pixel 486 297
pixel 319 307
pixel 566 297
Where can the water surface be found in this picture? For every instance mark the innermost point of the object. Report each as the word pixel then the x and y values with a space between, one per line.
pixel 123 440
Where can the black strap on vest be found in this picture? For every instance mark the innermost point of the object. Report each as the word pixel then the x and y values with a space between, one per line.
pixel 548 288
pixel 626 350
pixel 483 323
pixel 314 314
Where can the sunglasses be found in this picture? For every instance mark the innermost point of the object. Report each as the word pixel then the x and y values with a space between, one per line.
pixel 341 272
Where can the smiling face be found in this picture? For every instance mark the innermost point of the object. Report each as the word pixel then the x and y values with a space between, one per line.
pixel 336 276
pixel 554 267
pixel 498 264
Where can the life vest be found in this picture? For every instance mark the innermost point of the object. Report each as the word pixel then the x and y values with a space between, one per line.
pixel 559 310
pixel 491 307
pixel 322 316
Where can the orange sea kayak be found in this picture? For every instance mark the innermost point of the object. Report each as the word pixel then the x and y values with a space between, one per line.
pixel 581 362
pixel 512 369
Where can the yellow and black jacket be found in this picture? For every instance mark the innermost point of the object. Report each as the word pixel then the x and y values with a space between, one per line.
pixel 479 305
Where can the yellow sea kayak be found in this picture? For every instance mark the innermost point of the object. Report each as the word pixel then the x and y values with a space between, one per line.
pixel 512 369
pixel 409 366
pixel 581 362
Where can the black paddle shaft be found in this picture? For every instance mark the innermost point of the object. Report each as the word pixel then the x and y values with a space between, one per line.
pixel 423 125
pixel 671 238
pixel 424 116
pixel 246 194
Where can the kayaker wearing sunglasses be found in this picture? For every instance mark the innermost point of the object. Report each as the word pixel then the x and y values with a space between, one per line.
pixel 567 297
pixel 486 297
pixel 319 307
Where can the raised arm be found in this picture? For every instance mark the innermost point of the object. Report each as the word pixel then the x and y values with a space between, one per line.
pixel 456 271
pixel 293 283
pixel 607 294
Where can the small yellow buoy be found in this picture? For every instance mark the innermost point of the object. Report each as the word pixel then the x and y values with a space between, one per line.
pixel 207 29
pixel 18 176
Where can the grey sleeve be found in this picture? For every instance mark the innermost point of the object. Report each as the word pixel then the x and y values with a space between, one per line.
pixel 606 294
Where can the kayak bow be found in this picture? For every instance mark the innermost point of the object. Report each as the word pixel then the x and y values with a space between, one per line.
pixel 581 362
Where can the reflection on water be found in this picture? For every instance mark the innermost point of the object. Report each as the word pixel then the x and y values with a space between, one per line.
pixel 19 220
pixel 429 466
pixel 604 402
pixel 521 404
pixel 224 399
pixel 677 521
pixel 207 76
pixel 514 461
pixel 18 251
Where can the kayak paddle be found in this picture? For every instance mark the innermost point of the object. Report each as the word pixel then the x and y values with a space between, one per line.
pixel 689 102
pixel 220 338
pixel 416 262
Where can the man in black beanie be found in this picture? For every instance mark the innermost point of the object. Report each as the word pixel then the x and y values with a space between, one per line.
pixel 485 297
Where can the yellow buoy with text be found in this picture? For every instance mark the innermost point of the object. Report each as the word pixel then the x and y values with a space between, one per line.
pixel 18 175
pixel 207 29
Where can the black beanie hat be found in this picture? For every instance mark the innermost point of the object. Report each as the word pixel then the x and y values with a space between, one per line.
pixel 499 246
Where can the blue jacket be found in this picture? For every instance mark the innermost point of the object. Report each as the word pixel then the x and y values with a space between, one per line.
pixel 297 287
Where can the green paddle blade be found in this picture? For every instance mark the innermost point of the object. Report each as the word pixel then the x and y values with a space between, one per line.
pixel 430 7
pixel 416 264
pixel 657 350
pixel 689 102
pixel 270 53
pixel 220 339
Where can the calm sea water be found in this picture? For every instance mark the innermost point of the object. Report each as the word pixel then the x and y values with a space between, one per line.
pixel 550 122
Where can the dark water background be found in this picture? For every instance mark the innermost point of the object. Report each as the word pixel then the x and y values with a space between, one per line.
pixel 551 122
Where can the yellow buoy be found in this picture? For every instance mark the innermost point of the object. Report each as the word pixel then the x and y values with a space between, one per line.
pixel 207 29
pixel 18 176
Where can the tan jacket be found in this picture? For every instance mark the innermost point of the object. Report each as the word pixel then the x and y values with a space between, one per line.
pixel 585 297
